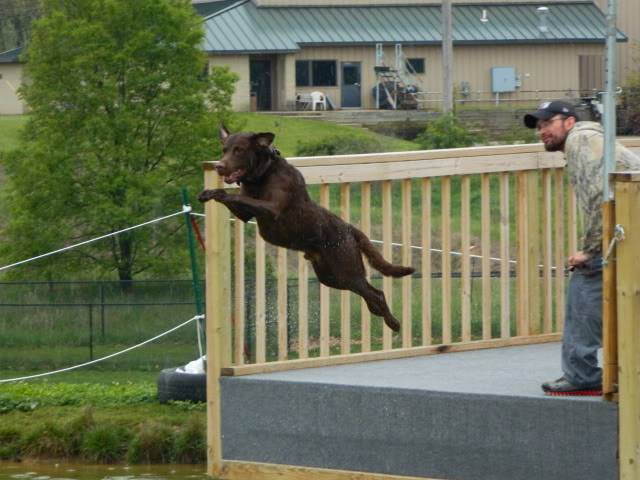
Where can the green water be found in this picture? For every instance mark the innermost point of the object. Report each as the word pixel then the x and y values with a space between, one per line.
pixel 68 471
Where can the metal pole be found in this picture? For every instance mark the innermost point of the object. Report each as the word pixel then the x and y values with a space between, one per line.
pixel 197 287
pixel 610 100
pixel 90 331
pixel 447 58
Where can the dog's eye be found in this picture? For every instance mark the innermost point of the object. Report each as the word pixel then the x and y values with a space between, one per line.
pixel 238 150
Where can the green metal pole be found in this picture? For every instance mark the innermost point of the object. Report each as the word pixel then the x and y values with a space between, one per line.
pixel 195 277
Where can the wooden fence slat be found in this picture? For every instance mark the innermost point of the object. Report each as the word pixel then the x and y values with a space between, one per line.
pixel 325 297
pixel 547 250
pixel 610 306
pixel 627 194
pixel 261 301
pixel 445 192
pixel 505 264
pixel 387 252
pixel 572 220
pixel 345 295
pixel 282 304
pixel 387 354
pixel 406 260
pixel 443 167
pixel 365 224
pixel 303 306
pixel 427 334
pixel 465 247
pixel 217 305
pixel 485 193
pixel 559 248
pixel 534 249
pixel 239 291
pixel 522 225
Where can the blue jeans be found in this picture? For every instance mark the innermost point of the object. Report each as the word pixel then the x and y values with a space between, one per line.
pixel 583 326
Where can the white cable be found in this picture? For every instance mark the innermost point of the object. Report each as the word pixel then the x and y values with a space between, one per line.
pixel 197 317
pixel 416 247
pixel 6 267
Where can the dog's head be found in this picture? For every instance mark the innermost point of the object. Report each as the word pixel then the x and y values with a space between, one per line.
pixel 246 156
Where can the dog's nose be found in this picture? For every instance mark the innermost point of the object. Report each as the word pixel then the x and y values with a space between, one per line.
pixel 219 168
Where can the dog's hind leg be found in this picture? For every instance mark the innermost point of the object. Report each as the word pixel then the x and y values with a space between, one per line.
pixel 338 269
pixel 376 303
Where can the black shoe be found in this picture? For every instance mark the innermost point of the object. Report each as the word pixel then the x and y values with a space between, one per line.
pixel 562 386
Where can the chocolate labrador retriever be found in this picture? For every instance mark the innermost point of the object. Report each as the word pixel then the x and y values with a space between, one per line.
pixel 274 192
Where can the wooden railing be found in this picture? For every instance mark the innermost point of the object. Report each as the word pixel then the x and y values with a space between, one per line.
pixel 489 265
pixel 515 218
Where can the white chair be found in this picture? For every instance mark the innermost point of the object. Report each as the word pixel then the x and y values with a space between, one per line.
pixel 303 101
pixel 318 99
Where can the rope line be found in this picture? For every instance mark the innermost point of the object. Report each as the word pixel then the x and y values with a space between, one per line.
pixel 196 317
pixel 415 247
pixel 185 208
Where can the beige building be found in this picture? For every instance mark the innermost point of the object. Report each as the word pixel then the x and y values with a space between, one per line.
pixel 278 46
pixel 552 64
pixel 11 77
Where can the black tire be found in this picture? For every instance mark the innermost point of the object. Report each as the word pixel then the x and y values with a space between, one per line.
pixel 176 385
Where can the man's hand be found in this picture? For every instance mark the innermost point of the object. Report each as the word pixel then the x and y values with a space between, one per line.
pixel 578 259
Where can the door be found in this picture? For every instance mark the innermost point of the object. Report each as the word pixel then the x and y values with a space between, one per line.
pixel 260 78
pixel 351 90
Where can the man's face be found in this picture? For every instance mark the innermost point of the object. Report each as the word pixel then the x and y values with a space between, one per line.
pixel 553 132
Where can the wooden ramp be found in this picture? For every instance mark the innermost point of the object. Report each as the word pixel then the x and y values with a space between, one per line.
pixel 476 415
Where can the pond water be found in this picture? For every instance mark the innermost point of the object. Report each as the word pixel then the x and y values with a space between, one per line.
pixel 68 471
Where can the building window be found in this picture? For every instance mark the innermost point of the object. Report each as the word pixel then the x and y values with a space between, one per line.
pixel 303 70
pixel 316 73
pixel 417 64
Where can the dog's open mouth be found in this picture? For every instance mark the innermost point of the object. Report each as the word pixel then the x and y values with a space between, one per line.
pixel 235 176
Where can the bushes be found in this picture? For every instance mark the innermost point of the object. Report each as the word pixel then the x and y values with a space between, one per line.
pixel 630 113
pixel 152 444
pixel 105 443
pixel 109 438
pixel 446 132
pixel 339 145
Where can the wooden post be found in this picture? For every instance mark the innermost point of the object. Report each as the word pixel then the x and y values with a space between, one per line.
pixel 218 315
pixel 627 211
pixel 609 319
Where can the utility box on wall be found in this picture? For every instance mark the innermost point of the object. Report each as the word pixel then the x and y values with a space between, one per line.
pixel 503 79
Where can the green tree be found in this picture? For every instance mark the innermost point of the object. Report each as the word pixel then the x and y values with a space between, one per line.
pixel 123 114
pixel 16 17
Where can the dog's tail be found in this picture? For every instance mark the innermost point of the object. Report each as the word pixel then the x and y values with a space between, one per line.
pixel 376 260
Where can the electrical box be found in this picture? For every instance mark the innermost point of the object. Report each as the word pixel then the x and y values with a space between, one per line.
pixel 503 79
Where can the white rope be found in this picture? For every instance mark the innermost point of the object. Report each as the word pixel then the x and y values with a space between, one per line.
pixel 197 317
pixel 185 209
pixel 415 247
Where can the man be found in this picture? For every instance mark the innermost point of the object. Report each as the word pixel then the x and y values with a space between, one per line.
pixel 583 145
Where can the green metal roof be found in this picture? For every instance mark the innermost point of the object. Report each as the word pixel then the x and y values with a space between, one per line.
pixel 206 8
pixel 245 28
pixel 11 56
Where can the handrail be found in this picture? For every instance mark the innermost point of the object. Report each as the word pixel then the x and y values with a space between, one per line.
pixel 528 216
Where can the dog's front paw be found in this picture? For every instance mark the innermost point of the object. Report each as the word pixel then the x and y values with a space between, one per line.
pixel 218 195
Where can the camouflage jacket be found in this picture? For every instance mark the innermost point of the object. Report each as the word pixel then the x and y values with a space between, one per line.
pixel 584 154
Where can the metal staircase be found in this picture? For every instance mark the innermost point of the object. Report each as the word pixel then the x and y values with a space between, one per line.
pixel 398 87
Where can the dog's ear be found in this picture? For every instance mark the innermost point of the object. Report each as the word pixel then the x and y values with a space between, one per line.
pixel 264 139
pixel 224 133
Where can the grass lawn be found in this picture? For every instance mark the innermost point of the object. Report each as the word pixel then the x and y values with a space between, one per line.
pixel 290 130
pixel 10 126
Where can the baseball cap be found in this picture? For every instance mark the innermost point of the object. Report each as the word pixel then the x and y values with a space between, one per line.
pixel 546 110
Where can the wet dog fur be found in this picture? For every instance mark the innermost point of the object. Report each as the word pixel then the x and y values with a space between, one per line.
pixel 274 193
